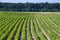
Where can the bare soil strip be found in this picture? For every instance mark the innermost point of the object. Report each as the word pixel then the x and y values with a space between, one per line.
pixel 36 29
pixel 43 30
pixel 21 29
pixel 52 22
pixel 29 29
pixel 32 32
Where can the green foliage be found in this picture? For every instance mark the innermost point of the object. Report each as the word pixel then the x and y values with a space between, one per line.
pixel 30 7
pixel 29 25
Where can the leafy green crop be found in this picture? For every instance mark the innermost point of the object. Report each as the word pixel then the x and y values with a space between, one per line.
pixel 29 26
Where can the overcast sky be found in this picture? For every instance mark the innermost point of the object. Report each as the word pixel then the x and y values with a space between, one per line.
pixel 33 1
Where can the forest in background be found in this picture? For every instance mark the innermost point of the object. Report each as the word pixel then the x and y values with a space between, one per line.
pixel 30 7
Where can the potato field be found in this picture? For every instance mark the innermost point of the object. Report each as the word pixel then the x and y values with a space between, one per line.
pixel 29 26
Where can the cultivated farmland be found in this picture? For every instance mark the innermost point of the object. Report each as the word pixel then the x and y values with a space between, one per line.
pixel 29 26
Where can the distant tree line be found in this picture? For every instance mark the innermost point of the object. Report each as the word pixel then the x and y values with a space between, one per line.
pixel 33 7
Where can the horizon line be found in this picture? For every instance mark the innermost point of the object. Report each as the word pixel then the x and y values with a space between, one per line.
pixel 29 2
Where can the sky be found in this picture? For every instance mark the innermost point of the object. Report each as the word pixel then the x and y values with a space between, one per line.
pixel 33 1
